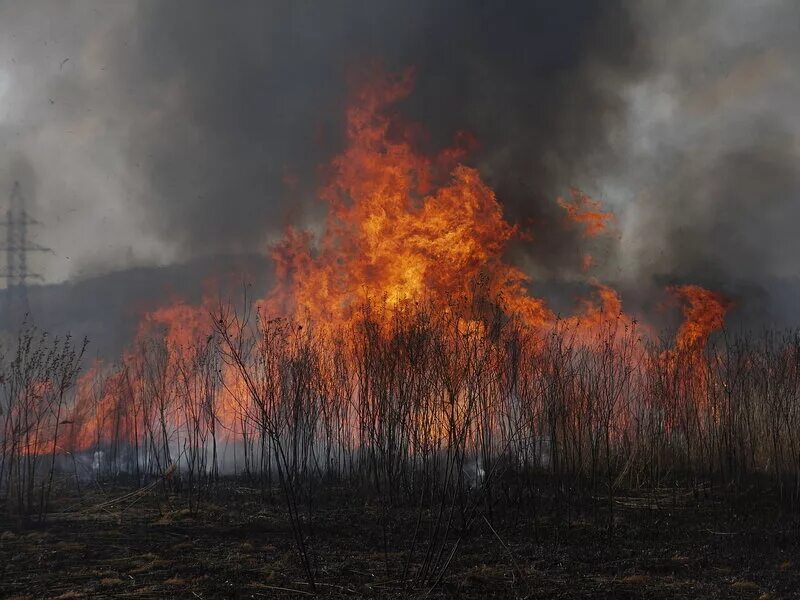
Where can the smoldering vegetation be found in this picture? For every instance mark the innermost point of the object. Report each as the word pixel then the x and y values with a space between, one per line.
pixel 459 423
pixel 384 454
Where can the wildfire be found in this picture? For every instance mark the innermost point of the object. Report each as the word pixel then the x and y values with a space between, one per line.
pixel 686 373
pixel 403 230
pixel 587 212
pixel 704 312
pixel 401 226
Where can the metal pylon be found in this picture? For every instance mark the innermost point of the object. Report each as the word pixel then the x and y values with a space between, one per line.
pixel 17 246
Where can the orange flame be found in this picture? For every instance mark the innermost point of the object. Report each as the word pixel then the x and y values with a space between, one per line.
pixel 402 228
pixel 585 211
pixel 704 312
pixel 396 229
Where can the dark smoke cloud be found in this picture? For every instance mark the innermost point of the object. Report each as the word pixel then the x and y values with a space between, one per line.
pixel 173 128
pixel 259 92
pixel 213 107
pixel 706 174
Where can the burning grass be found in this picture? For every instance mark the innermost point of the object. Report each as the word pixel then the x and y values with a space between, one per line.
pixel 401 357
pixel 434 433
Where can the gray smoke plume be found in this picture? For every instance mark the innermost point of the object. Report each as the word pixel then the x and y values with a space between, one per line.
pixel 159 132
pixel 706 174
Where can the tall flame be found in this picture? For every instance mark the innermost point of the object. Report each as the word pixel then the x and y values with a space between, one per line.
pixel 402 228
pixel 704 312
pixel 586 211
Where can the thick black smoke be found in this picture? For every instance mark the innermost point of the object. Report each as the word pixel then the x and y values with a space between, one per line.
pixel 160 132
pixel 260 91
pixel 707 170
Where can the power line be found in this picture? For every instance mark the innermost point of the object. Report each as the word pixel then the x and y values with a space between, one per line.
pixel 17 246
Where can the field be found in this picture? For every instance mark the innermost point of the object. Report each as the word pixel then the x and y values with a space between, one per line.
pixel 663 544
pixel 518 335
pixel 422 456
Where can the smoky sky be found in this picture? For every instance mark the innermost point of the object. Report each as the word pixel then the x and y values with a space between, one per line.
pixel 154 132
pixel 262 92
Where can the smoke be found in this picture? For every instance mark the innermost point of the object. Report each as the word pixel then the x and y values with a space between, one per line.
pixel 706 176
pixel 163 131
pixel 205 126
pixel 64 111
pixel 253 100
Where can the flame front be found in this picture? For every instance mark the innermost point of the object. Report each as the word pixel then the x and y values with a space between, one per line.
pixel 407 235
pixel 586 211
pixel 401 226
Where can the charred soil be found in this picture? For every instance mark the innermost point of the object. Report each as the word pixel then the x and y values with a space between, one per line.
pixel 703 543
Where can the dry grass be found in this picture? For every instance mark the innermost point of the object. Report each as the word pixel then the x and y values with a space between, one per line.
pixel 152 565
pixel 174 516
pixel 70 546
pixel 183 546
pixel 486 574
pixel 745 586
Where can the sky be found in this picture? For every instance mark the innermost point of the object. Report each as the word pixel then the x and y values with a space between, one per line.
pixel 153 133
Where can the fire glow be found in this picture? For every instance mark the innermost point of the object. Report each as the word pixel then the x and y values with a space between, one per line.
pixel 413 245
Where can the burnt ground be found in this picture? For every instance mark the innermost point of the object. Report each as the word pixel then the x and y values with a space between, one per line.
pixel 151 546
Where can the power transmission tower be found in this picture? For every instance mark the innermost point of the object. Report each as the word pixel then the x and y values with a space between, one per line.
pixel 17 246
